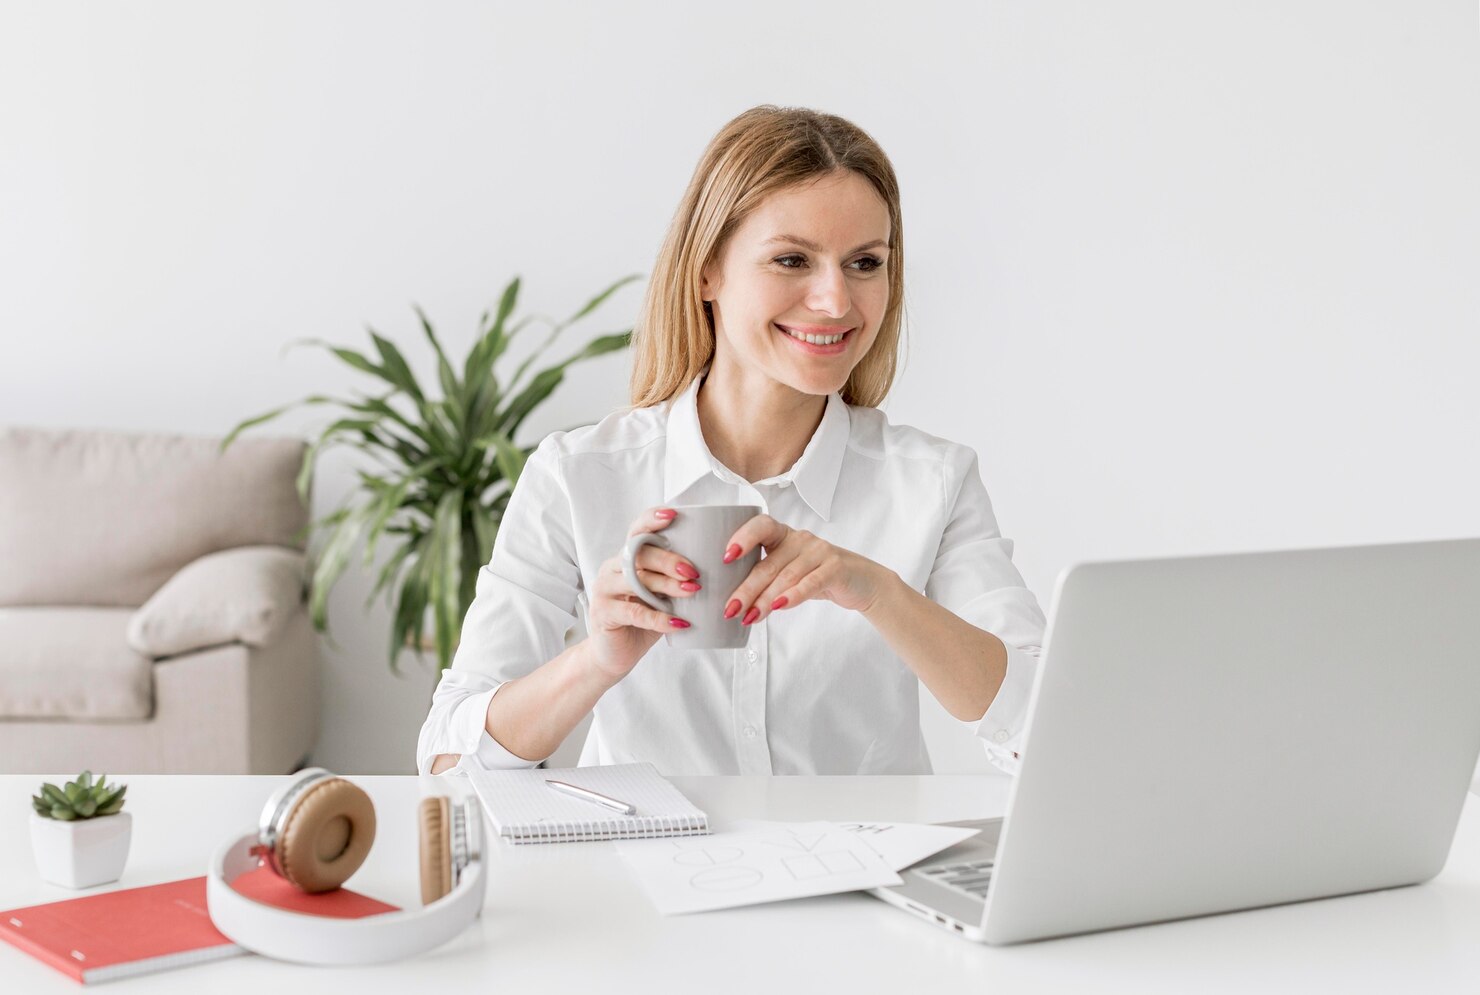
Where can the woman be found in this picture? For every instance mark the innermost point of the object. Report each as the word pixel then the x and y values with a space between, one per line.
pixel 882 568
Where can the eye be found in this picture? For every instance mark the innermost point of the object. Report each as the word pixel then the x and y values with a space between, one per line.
pixel 873 262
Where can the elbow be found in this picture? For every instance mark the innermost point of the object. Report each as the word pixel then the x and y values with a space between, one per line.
pixel 972 715
pixel 973 711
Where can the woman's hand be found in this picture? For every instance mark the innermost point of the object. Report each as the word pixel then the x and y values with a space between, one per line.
pixel 622 627
pixel 798 567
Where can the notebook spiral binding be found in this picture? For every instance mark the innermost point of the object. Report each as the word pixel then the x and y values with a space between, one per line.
pixel 603 829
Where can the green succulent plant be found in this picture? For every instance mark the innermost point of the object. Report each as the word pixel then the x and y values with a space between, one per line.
pixel 446 468
pixel 83 798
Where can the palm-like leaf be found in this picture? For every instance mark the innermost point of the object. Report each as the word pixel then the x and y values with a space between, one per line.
pixel 445 469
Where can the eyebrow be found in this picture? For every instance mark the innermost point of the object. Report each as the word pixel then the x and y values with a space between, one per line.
pixel 813 246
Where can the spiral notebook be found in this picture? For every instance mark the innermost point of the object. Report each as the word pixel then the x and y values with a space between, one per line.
pixel 524 809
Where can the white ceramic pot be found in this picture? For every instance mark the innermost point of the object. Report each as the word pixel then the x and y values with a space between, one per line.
pixel 81 853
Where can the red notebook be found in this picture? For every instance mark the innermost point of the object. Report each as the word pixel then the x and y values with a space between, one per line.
pixel 118 934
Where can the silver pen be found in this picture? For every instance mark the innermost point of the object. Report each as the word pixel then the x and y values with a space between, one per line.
pixel 592 796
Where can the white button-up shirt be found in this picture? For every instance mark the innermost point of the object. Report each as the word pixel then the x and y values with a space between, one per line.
pixel 817 690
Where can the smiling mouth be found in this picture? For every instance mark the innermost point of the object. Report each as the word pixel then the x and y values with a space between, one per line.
pixel 825 342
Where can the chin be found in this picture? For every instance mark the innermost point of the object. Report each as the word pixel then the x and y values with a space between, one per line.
pixel 817 382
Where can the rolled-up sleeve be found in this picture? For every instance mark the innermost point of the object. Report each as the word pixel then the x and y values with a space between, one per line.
pixel 974 576
pixel 524 604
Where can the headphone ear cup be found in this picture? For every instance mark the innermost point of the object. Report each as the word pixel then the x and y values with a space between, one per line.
pixel 326 836
pixel 434 818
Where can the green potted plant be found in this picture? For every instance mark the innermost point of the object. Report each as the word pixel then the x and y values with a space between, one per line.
pixel 79 832
pixel 444 469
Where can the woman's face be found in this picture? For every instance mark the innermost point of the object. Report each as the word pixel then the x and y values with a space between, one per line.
pixel 811 258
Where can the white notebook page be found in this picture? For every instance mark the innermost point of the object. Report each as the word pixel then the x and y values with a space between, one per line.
pixel 524 809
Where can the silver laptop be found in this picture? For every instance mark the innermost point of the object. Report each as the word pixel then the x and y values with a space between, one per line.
pixel 1215 733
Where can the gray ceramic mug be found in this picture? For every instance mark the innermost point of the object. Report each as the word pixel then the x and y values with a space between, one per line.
pixel 700 534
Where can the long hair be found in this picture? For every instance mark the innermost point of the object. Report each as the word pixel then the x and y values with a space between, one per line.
pixel 765 149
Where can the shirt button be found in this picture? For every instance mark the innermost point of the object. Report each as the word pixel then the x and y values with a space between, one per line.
pixel 750 732
pixel 750 655
pixel 1001 736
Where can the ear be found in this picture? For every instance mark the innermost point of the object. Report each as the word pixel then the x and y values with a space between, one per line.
pixel 709 277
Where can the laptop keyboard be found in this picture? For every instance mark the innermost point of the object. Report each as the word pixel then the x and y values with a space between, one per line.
pixel 969 878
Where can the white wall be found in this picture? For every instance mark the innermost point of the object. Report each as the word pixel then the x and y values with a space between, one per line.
pixel 1190 277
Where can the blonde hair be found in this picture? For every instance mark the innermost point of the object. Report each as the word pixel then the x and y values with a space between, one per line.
pixel 765 149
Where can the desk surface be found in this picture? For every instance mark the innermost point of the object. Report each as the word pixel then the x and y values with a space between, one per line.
pixel 568 917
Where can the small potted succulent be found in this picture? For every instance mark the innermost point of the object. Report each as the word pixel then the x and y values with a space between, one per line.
pixel 79 834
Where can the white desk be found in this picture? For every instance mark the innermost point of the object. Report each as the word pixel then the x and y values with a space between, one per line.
pixel 567 917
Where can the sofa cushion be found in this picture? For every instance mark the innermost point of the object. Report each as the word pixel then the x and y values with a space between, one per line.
pixel 241 595
pixel 71 663
pixel 96 518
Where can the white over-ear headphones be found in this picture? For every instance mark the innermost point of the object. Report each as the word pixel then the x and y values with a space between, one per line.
pixel 315 832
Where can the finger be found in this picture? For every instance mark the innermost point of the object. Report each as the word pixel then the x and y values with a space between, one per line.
pixel 761 530
pixel 788 584
pixel 612 582
pixel 665 561
pixel 661 583
pixel 613 603
pixel 742 602
pixel 785 593
pixel 789 570
pixel 640 616
pixel 655 519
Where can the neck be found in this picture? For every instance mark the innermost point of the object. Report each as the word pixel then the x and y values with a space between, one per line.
pixel 756 427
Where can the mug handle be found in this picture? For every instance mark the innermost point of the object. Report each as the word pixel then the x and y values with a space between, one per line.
pixel 660 602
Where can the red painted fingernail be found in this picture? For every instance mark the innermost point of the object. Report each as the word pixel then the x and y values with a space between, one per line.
pixel 778 603
pixel 678 623
pixel 732 608
pixel 751 616
pixel 684 570
pixel 732 552
pixel 689 585
pixel 664 513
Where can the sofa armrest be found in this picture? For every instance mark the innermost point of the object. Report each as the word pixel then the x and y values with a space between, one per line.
pixel 242 595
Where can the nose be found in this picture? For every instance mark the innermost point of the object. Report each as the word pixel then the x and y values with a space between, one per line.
pixel 828 293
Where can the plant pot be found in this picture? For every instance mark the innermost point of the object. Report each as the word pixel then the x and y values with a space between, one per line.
pixel 81 853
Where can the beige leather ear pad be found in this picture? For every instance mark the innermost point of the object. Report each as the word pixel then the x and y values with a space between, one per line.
pixel 435 819
pixel 327 835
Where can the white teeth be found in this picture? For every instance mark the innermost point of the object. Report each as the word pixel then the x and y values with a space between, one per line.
pixel 814 339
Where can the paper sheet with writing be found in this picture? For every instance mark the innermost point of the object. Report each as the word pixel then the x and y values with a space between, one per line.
pixel 898 844
pixel 746 867
pixel 754 861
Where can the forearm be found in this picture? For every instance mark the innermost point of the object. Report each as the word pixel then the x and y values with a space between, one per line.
pixel 961 665
pixel 530 716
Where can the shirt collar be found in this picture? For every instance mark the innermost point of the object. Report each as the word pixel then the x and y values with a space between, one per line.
pixel 815 473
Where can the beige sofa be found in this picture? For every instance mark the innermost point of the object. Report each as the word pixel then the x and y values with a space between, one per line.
pixel 152 613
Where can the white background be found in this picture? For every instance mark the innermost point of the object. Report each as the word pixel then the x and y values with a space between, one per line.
pixel 1190 277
